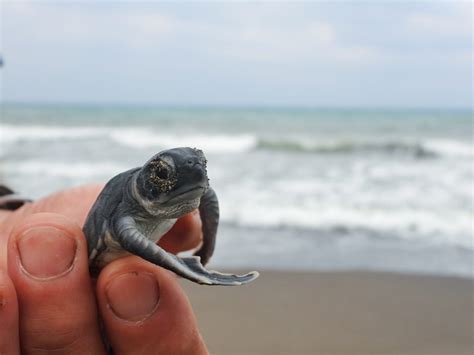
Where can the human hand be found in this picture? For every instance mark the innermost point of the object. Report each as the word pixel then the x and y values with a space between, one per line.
pixel 142 306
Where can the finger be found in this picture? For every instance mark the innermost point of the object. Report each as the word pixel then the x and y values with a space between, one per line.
pixel 4 214
pixel 145 311
pixel 73 203
pixel 185 235
pixel 9 338
pixel 3 240
pixel 47 260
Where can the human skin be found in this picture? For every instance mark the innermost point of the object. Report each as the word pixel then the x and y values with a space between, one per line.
pixel 44 273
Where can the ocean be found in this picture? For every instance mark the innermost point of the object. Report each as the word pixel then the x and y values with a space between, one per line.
pixel 299 189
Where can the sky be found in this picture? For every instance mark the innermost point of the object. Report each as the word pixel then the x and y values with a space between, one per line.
pixel 318 54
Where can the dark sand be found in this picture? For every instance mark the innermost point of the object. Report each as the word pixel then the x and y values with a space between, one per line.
pixel 337 313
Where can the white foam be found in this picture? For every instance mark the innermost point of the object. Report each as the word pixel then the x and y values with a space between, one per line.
pixel 14 133
pixel 404 206
pixel 450 147
pixel 135 137
pixel 451 228
pixel 217 143
pixel 79 170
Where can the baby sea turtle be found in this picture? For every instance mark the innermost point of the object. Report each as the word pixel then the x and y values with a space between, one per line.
pixel 137 207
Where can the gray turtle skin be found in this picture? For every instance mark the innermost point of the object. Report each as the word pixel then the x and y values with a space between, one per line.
pixel 137 207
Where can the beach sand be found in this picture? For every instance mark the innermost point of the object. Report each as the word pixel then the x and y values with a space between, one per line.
pixel 337 313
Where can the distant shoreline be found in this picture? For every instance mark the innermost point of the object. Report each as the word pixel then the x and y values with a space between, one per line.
pixel 236 107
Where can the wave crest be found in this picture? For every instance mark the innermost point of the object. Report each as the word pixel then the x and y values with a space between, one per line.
pixel 218 143
pixel 145 137
pixel 418 149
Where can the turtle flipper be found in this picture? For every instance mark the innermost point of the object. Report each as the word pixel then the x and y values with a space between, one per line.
pixel 217 278
pixel 132 240
pixel 209 212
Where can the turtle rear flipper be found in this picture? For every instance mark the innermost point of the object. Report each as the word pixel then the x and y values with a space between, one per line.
pixel 9 200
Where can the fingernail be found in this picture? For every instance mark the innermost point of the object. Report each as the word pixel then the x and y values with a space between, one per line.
pixel 46 252
pixel 133 296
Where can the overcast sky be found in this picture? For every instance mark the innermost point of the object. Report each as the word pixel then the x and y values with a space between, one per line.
pixel 343 54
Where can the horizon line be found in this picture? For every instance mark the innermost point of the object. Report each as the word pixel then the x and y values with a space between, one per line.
pixel 262 106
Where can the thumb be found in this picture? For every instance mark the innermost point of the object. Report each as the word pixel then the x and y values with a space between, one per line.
pixel 145 311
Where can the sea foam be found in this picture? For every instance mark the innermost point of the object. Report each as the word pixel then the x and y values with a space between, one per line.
pixel 217 143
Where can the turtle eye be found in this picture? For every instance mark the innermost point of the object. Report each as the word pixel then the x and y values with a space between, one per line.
pixel 162 173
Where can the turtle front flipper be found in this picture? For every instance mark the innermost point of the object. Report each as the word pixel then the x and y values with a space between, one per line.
pixel 132 240
pixel 209 212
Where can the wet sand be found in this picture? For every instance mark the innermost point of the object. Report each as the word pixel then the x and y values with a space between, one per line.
pixel 337 313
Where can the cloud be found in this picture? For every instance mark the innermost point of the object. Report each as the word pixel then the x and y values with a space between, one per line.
pixel 223 52
pixel 247 38
pixel 438 25
pixel 324 33
pixel 72 23
pixel 265 42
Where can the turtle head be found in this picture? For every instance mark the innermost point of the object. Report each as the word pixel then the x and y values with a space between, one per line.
pixel 172 181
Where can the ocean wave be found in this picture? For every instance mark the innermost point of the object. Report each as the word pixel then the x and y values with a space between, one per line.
pixel 141 137
pixel 75 170
pixel 426 149
pixel 218 143
pixel 131 136
pixel 405 223
pixel 13 133
pixel 449 147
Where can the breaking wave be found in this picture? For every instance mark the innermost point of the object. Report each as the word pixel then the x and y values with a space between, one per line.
pixel 148 137
pixel 419 149
pixel 217 143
